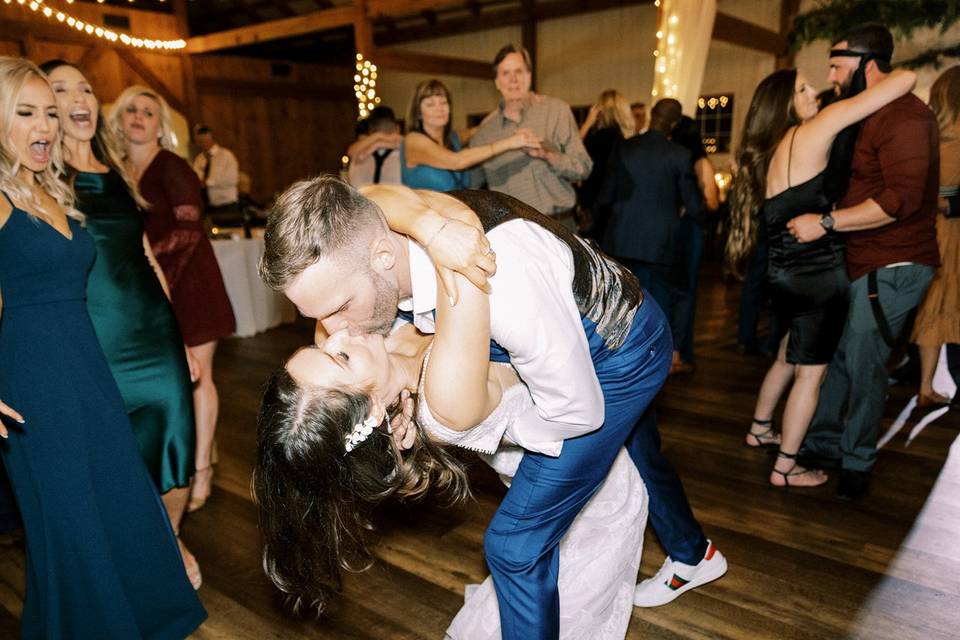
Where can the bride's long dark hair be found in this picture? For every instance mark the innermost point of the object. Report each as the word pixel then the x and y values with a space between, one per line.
pixel 770 116
pixel 316 500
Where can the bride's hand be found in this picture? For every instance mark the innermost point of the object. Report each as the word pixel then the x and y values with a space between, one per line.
pixel 459 247
pixel 402 429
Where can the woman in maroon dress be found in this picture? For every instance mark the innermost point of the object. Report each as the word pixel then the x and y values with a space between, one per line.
pixel 174 227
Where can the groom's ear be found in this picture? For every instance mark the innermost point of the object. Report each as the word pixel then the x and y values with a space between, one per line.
pixel 383 255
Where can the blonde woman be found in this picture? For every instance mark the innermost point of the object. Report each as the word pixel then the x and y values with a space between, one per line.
pixel 173 224
pixel 102 561
pixel 608 123
pixel 432 156
pixel 938 320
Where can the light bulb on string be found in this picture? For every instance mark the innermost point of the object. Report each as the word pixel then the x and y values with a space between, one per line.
pixel 364 87
pixel 96 30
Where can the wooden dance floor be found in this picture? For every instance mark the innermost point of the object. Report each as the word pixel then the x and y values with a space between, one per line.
pixel 802 563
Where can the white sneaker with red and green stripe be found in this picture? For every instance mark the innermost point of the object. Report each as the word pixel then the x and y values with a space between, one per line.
pixel 675 578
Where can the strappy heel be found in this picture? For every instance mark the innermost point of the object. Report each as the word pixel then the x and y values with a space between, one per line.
pixel 762 439
pixel 200 488
pixel 792 473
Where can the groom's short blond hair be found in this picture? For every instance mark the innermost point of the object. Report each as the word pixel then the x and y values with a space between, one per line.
pixel 315 218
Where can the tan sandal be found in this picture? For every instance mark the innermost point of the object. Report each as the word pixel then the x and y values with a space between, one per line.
pixel 190 565
pixel 198 497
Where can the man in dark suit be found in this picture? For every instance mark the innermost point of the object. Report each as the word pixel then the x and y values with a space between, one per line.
pixel 649 185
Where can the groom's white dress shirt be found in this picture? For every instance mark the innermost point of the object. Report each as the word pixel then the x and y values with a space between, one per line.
pixel 533 315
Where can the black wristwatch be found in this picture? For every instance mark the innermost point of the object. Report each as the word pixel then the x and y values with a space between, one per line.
pixel 827 222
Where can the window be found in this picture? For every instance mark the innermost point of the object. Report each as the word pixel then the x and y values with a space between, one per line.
pixel 715 117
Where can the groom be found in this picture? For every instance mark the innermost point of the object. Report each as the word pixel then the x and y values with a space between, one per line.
pixel 573 323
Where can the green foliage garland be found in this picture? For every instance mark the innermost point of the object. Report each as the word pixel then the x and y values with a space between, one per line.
pixel 902 17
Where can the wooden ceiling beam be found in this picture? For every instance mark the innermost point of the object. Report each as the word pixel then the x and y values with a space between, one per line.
pixel 362 29
pixel 91 56
pixel 788 11
pixel 266 88
pixel 190 99
pixel 282 7
pixel 43 30
pixel 383 8
pixel 321 20
pixel 153 81
pixel 727 28
pixel 430 64
pixel 482 20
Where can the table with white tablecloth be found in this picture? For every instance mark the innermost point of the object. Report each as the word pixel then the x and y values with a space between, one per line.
pixel 256 307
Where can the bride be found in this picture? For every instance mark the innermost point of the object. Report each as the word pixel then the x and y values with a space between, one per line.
pixel 327 458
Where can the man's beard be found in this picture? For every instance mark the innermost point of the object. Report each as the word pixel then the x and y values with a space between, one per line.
pixel 856 82
pixel 386 298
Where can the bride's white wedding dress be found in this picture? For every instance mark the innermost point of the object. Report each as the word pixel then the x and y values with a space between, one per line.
pixel 599 555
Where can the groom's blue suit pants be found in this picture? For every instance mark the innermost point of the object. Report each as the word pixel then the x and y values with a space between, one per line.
pixel 547 493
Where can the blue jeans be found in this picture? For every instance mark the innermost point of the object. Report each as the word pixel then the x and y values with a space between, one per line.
pixel 547 493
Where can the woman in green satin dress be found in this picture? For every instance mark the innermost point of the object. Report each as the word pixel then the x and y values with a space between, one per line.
pixel 126 300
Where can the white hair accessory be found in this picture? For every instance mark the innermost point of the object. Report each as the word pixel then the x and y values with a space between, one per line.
pixel 361 431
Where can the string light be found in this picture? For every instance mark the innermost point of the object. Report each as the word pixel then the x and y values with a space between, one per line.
pixel 364 86
pixel 39 6
pixel 668 53
pixel 713 102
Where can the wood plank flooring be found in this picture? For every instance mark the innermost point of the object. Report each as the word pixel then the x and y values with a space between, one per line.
pixel 803 565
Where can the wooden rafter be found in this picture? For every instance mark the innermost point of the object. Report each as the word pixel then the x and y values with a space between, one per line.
pixel 788 11
pixel 91 56
pixel 274 30
pixel 44 31
pixel 482 20
pixel 263 88
pixel 727 28
pixel 362 29
pixel 153 80
pixel 431 64
pixel 382 8
pixel 190 97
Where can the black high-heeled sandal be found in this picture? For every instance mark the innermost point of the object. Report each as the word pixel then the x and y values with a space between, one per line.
pixel 790 473
pixel 763 439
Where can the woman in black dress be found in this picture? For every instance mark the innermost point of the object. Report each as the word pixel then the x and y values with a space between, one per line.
pixel 782 164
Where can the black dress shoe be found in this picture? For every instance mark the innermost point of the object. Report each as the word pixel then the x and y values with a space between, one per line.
pixel 810 460
pixel 853 484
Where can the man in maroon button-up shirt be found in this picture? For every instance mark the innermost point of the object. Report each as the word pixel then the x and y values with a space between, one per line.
pixel 888 219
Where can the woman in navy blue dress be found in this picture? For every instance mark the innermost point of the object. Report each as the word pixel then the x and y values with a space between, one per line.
pixel 431 154
pixel 102 561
